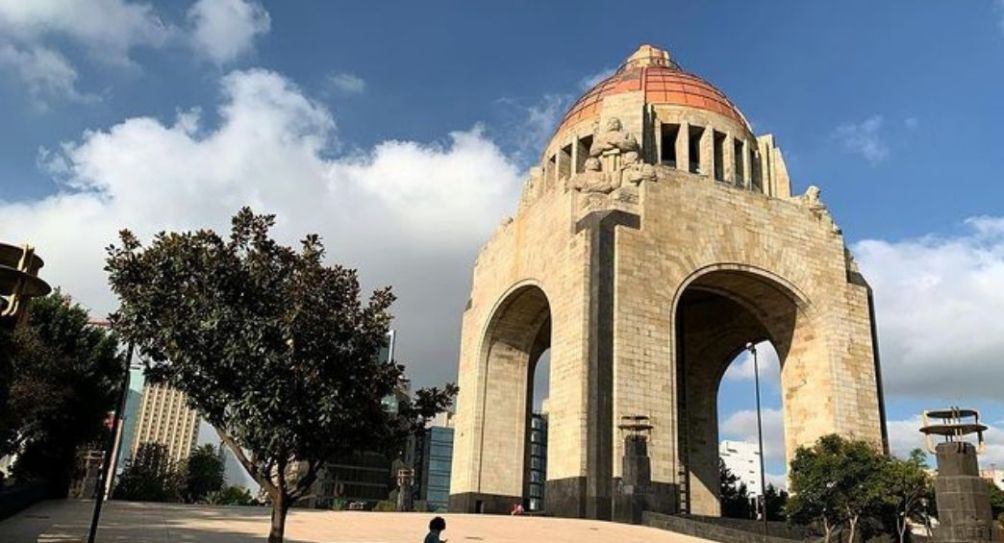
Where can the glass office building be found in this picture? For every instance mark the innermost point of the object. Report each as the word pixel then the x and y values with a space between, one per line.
pixel 437 460
pixel 538 462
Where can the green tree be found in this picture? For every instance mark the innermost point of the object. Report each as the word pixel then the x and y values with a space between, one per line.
pixel 64 381
pixel 149 476
pixel 776 500
pixel 905 486
pixel 834 482
pixel 996 501
pixel 274 348
pixel 203 473
pixel 231 495
pixel 733 494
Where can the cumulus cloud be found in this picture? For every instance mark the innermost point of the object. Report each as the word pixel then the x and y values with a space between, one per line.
pixel 864 139
pixel 741 426
pixel 36 36
pixel 223 30
pixel 46 73
pixel 407 214
pixel 591 80
pixel 938 301
pixel 346 83
pixel 770 368
pixel 106 29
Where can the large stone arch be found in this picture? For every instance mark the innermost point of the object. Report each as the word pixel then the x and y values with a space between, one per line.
pixel 513 339
pixel 717 311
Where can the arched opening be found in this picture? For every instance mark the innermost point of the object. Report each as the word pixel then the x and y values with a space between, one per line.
pixel 738 446
pixel 718 313
pixel 512 464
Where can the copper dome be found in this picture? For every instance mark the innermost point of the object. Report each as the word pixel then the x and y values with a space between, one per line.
pixel 652 71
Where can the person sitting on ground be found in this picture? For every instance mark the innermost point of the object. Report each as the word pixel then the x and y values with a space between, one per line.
pixel 436 526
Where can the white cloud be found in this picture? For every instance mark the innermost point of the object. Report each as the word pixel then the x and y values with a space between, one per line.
pixel 741 426
pixel 109 29
pixel 346 83
pixel 938 302
pixel 742 368
pixel 407 214
pixel 223 30
pixel 105 29
pixel 911 122
pixel 46 73
pixel 591 80
pixel 864 138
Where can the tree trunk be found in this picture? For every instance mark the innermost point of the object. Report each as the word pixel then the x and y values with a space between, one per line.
pixel 827 531
pixel 279 509
pixel 854 525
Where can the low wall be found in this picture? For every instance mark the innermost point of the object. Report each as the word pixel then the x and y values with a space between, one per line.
pixel 726 530
pixel 15 499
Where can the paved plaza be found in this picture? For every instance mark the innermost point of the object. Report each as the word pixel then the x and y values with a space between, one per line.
pixel 66 521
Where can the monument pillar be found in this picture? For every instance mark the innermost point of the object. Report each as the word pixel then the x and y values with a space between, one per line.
pixel 964 512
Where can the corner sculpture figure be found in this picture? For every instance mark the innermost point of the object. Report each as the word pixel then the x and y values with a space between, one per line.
pixel 964 512
pixel 594 180
pixel 655 239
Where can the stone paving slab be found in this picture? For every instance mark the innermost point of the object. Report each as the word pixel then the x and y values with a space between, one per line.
pixel 68 520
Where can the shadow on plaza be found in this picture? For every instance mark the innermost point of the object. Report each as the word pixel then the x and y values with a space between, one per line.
pixel 69 520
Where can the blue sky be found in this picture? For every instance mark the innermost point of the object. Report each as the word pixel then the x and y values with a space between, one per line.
pixel 334 115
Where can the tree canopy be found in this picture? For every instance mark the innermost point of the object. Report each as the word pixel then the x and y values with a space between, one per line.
pixel 275 348
pixel 64 381
pixel 840 482
pixel 203 473
pixel 733 494
pixel 150 476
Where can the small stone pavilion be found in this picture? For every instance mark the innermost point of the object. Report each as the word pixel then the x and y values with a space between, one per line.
pixel 657 237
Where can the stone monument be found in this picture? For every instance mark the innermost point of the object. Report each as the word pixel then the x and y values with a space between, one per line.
pixel 655 239
pixel 964 513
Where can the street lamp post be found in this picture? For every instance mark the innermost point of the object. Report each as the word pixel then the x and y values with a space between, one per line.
pixel 106 464
pixel 759 431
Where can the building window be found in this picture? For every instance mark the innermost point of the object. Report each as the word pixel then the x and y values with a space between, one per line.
pixel 719 141
pixel 694 146
pixel 582 153
pixel 668 136
pixel 549 169
pixel 565 162
pixel 739 155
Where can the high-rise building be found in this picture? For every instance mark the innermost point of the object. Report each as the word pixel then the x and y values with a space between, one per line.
pixel 165 418
pixel 130 418
pixel 364 476
pixel 994 475
pixel 538 461
pixel 743 460
pixel 433 460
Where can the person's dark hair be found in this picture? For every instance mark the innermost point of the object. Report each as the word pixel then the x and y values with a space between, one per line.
pixel 438 524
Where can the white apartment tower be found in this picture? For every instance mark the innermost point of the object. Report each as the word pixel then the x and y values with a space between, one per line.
pixel 165 418
pixel 743 460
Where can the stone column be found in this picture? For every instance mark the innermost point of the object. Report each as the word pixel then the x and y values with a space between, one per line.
pixel 683 147
pixel 728 159
pixel 708 152
pixel 963 500
pixel 747 176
